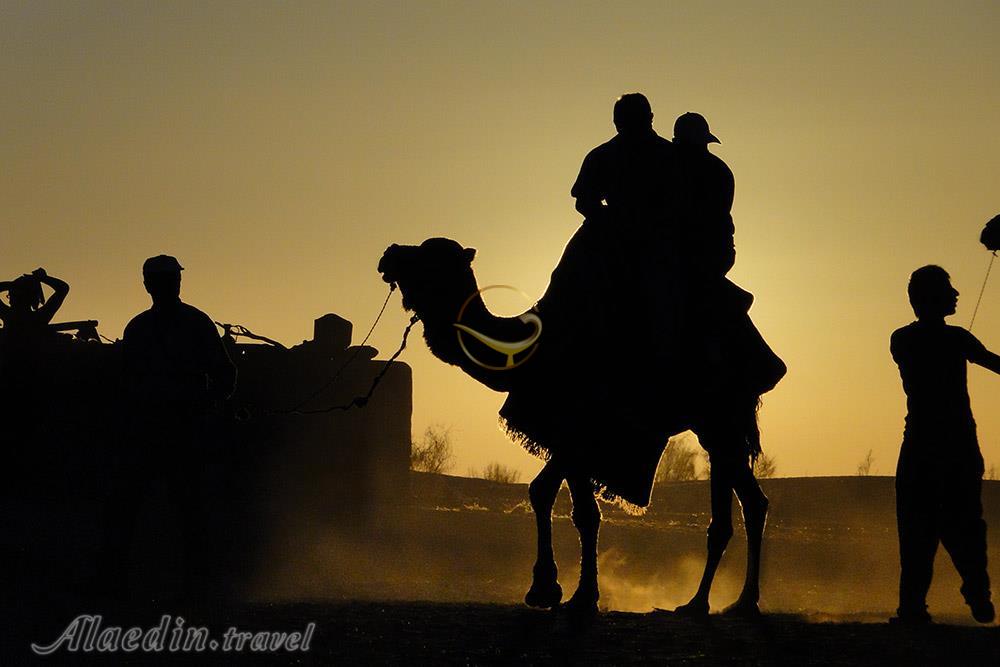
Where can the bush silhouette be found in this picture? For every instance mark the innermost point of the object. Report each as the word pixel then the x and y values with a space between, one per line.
pixel 498 472
pixel 678 461
pixel 433 452
pixel 865 467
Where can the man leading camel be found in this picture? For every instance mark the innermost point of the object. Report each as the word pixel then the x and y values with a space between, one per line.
pixel 176 373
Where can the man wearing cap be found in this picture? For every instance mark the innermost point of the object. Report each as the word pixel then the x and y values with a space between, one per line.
pixel 715 310
pixel 703 193
pixel 175 372
pixel 729 362
pixel 174 359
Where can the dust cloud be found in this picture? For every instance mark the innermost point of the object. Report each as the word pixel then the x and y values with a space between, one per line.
pixel 470 540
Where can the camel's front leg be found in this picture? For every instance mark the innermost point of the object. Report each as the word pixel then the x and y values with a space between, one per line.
pixel 587 519
pixel 720 530
pixel 545 590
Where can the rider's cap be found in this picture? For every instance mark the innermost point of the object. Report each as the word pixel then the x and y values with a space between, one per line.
pixel 161 264
pixel 692 128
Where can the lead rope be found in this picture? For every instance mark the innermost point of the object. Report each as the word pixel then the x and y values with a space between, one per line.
pixel 295 409
pixel 982 290
pixel 358 401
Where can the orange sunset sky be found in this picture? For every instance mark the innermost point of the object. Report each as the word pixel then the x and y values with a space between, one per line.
pixel 277 148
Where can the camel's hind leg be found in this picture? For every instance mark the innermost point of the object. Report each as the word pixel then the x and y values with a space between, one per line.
pixel 545 590
pixel 587 519
pixel 754 504
pixel 720 530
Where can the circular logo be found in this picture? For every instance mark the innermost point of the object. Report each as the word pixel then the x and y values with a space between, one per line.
pixel 524 348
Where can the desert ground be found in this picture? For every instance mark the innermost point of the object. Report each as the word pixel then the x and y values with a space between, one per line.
pixel 438 578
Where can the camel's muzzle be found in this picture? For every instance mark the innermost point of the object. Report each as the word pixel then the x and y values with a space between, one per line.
pixel 388 265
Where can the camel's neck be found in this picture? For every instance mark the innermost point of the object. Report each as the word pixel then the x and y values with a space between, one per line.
pixel 440 316
pixel 439 321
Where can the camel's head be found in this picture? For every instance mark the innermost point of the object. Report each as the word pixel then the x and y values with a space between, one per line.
pixel 429 272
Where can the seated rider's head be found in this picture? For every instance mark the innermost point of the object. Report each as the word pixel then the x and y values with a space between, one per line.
pixel 691 129
pixel 633 115
pixel 931 293
pixel 26 294
pixel 161 276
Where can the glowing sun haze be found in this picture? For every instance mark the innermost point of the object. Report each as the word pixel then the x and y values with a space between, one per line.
pixel 277 149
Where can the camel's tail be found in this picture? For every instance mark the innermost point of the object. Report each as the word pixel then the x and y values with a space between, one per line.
pixel 753 431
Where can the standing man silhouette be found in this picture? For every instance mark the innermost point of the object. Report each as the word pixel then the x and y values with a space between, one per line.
pixel 176 371
pixel 940 470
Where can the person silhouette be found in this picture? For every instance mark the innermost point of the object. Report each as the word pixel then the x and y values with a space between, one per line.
pixel 724 354
pixel 624 176
pixel 704 190
pixel 22 346
pixel 176 371
pixel 624 192
pixel 29 311
pixel 713 309
pixel 940 469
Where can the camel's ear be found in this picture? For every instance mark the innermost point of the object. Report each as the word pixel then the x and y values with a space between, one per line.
pixel 469 254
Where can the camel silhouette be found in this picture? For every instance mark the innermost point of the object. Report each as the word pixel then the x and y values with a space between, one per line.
pixel 589 403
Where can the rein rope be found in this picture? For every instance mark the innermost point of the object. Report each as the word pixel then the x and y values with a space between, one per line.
pixel 347 362
pixel 982 289
pixel 358 401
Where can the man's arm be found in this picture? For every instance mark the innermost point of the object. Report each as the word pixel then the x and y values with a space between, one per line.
pixel 588 191
pixel 220 369
pixel 977 353
pixel 130 360
pixel 54 302
pixel 983 357
pixel 224 374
